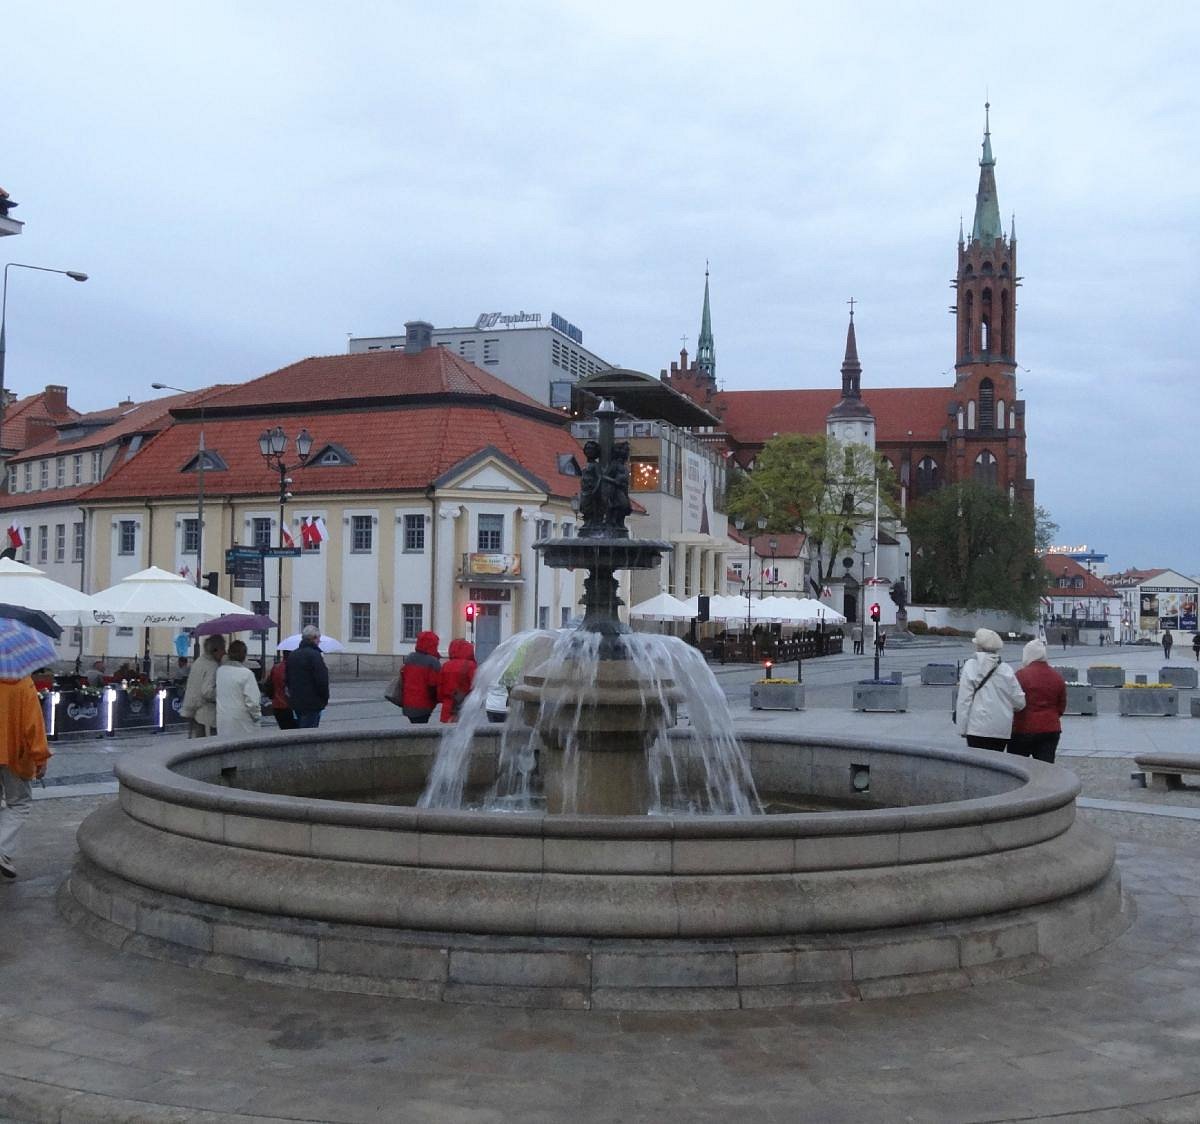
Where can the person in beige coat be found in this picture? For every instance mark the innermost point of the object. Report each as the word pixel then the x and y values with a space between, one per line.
pixel 199 704
pixel 239 701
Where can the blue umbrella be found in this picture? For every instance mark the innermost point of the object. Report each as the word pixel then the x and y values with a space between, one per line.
pixel 23 650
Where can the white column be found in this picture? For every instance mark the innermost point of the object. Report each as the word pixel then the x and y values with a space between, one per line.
pixel 448 563
pixel 529 561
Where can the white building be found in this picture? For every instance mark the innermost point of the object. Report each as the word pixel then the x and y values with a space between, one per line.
pixel 542 357
pixel 1155 601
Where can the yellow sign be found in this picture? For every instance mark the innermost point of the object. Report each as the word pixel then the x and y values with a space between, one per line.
pixel 500 565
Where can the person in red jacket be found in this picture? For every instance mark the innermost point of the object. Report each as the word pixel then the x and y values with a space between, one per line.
pixel 1036 729
pixel 458 673
pixel 419 677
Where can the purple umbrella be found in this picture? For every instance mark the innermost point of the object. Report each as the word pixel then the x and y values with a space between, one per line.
pixel 234 622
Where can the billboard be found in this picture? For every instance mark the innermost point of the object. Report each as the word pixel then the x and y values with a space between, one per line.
pixel 697 493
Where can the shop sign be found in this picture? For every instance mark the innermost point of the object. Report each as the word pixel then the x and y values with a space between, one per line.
pixel 498 565
pixel 489 593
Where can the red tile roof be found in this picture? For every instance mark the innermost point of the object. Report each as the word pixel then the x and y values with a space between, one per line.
pixel 364 376
pixel 1131 577
pixel 755 416
pixel 1060 566
pixel 46 497
pixel 399 448
pixel 31 418
pixel 789 545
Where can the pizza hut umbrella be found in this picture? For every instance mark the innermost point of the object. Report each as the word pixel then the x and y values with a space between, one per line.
pixel 29 587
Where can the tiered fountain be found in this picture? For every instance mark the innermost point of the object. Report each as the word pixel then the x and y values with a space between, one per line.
pixel 638 870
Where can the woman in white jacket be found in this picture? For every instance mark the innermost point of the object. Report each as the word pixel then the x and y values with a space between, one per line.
pixel 239 701
pixel 988 694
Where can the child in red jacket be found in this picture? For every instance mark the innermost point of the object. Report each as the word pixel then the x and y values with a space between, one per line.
pixel 458 673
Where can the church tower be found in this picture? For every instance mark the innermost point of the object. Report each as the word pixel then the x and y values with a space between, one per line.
pixel 988 426
pixel 851 422
pixel 706 353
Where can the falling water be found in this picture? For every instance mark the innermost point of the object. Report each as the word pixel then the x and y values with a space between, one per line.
pixel 705 773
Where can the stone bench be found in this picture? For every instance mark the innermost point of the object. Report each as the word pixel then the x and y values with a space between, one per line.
pixel 1166 770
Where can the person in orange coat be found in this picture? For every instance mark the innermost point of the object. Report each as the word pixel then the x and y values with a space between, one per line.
pixel 23 757
pixel 458 673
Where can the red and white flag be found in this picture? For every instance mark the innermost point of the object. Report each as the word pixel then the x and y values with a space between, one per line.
pixel 285 535
pixel 306 531
pixel 322 530
pixel 184 571
pixel 14 537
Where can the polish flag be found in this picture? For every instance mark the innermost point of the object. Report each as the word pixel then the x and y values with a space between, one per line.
pixel 184 571
pixel 14 537
pixel 306 531
pixel 286 536
pixel 320 531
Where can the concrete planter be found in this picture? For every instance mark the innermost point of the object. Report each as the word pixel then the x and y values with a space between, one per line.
pixel 776 696
pixel 1081 699
pixel 1070 674
pixel 870 695
pixel 939 675
pixel 1106 676
pixel 1178 676
pixel 1153 702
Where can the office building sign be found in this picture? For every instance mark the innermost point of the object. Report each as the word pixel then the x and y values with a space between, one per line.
pixel 489 320
pixel 561 324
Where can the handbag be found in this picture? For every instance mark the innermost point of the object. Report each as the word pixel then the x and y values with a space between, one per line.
pixel 954 709
pixel 392 694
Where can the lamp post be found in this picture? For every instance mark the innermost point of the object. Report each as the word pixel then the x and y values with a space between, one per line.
pixel 774 545
pixel 740 524
pixel 273 444
pixel 73 274
pixel 201 458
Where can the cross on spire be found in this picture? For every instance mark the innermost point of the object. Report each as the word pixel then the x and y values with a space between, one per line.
pixel 851 302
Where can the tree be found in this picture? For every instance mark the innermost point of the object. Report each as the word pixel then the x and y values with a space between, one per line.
pixel 814 485
pixel 974 548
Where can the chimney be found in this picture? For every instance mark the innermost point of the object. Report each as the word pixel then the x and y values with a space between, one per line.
pixel 55 400
pixel 418 335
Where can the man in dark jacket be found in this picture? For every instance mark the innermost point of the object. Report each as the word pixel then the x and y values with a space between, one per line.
pixel 420 675
pixel 307 680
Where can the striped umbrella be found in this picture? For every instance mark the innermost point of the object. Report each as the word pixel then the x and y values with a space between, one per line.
pixel 23 650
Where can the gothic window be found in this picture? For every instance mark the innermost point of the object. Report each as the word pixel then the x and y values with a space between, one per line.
pixel 929 476
pixel 985 321
pixel 986 267
pixel 971 414
pixel 1006 346
pixel 1000 414
pixel 987 404
pixel 970 323
pixel 986 468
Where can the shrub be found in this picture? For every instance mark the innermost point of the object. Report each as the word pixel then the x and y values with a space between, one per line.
pixel 918 628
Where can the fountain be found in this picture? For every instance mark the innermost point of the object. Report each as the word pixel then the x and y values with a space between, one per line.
pixel 590 854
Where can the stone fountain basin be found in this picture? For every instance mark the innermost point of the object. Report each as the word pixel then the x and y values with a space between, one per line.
pixel 223 856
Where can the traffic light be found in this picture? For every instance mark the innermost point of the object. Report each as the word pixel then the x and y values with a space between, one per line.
pixel 875 612
pixel 702 604
pixel 210 581
pixel 470 611
pixel 767 666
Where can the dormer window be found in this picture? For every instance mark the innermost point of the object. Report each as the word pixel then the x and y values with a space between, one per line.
pixel 213 462
pixel 331 456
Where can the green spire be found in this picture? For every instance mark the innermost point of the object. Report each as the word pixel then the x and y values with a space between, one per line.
pixel 987 205
pixel 706 356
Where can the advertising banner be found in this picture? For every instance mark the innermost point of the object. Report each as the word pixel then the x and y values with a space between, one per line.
pixel 697 493
pixel 500 565
pixel 1148 613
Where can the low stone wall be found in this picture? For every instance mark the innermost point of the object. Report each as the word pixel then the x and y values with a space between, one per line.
pixel 975 867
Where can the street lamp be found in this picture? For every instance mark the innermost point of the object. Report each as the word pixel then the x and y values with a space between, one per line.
pixel 774 545
pixel 273 444
pixel 201 458
pixel 73 274
pixel 740 524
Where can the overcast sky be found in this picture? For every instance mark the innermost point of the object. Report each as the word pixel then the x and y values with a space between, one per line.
pixel 248 183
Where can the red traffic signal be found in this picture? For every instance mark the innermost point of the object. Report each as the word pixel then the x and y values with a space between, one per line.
pixel 767 665
pixel 471 610
pixel 875 612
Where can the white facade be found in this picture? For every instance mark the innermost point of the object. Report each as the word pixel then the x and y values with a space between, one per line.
pixel 1166 601
pixel 540 361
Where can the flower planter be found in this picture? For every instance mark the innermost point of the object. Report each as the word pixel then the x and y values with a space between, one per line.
pixel 79 714
pixel 776 696
pixel 1106 676
pixel 1178 676
pixel 939 675
pixel 1070 674
pixel 134 712
pixel 171 705
pixel 1081 699
pixel 873 695
pixel 1153 702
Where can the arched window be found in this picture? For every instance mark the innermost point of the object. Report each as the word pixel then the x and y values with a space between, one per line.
pixel 969 321
pixel 960 417
pixel 985 321
pixel 971 414
pixel 1000 414
pixel 986 468
pixel 986 267
pixel 929 476
pixel 987 404
pixel 1006 344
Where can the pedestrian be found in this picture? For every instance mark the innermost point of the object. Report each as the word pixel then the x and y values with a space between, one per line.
pixel 239 703
pixel 23 757
pixel 856 637
pixel 275 688
pixel 419 676
pixel 1196 646
pixel 988 694
pixel 457 676
pixel 1037 726
pixel 1167 641
pixel 307 679
pixel 1064 639
pixel 199 704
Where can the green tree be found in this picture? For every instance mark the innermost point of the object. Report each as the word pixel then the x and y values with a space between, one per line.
pixel 812 484
pixel 973 548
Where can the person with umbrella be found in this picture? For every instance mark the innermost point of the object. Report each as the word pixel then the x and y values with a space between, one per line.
pixel 307 679
pixel 24 751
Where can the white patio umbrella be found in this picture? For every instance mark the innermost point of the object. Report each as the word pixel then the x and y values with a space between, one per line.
pixel 820 611
pixel 30 588
pixel 326 643
pixel 154 598
pixel 663 607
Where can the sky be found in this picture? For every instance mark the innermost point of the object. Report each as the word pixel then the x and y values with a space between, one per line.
pixel 247 184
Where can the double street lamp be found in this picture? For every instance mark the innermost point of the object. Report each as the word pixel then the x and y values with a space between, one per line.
pixel 740 524
pixel 201 458
pixel 273 444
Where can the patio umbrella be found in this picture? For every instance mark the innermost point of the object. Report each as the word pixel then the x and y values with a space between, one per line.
pixel 35 618
pixel 154 598
pixel 28 587
pixel 663 607
pixel 326 644
pixel 234 622
pixel 23 649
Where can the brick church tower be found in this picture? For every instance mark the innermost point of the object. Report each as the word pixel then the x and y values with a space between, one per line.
pixel 988 429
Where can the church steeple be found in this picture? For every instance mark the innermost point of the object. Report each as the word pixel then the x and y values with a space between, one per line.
pixel 851 420
pixel 706 355
pixel 987 227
